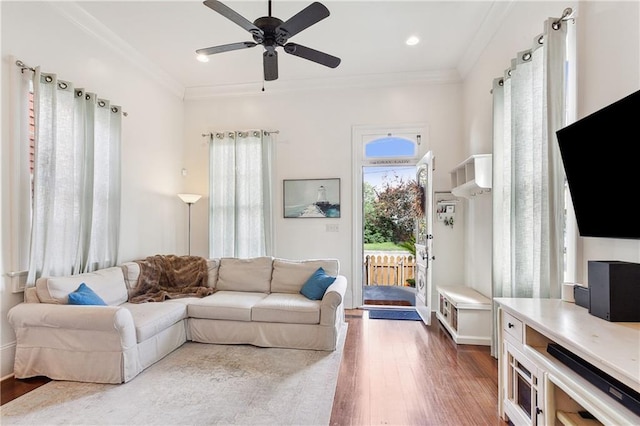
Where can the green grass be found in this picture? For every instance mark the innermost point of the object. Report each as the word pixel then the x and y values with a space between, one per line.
pixel 386 246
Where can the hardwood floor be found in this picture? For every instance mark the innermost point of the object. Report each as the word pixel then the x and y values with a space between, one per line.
pixel 407 373
pixel 396 373
pixel 12 388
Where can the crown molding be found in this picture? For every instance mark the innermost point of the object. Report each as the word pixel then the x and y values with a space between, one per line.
pixel 491 23
pixel 77 15
pixel 350 82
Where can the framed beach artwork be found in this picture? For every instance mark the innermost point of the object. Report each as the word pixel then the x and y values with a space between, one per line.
pixel 311 198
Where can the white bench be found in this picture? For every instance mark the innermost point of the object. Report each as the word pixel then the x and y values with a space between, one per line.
pixel 466 314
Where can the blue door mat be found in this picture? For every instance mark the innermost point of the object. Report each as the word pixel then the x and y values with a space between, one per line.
pixel 394 314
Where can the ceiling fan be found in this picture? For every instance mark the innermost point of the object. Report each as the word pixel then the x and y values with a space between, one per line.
pixel 271 32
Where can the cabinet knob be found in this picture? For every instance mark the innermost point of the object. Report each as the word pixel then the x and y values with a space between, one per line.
pixel 538 410
pixel 510 325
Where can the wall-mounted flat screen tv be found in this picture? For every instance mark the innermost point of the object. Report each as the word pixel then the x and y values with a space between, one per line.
pixel 601 157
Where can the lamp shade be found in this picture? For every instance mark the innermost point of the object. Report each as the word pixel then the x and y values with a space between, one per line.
pixel 189 198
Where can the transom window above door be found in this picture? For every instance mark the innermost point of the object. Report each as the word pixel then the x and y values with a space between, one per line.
pixel 390 147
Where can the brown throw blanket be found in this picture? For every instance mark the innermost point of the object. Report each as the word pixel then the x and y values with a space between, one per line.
pixel 170 277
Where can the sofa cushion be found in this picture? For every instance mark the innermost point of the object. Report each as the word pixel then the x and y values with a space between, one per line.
pixel 290 275
pixel 225 305
pixel 287 308
pixel 151 318
pixel 317 284
pixel 107 283
pixel 252 275
pixel 85 296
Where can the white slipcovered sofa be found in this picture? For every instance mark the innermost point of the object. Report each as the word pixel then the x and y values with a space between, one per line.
pixel 256 301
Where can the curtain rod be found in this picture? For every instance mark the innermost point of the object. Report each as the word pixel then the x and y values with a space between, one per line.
pixel 24 66
pixel 211 134
pixel 567 14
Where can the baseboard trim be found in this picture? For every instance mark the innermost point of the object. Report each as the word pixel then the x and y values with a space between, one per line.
pixel 7 355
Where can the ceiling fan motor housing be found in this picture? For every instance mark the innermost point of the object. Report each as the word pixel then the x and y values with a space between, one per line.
pixel 269 25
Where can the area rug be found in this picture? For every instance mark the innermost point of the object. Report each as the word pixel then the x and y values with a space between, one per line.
pixel 198 384
pixel 394 314
pixel 387 302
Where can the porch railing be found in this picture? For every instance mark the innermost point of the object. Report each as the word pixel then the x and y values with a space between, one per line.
pixel 388 269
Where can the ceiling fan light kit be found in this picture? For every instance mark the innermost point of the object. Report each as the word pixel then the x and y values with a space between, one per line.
pixel 271 32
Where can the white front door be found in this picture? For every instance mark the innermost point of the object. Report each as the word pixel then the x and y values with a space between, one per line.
pixel 362 136
pixel 424 239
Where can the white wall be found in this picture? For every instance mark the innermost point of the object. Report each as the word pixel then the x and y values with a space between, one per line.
pixel 608 69
pixel 315 142
pixel 153 217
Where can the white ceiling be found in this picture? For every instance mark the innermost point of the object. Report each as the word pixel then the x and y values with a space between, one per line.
pixel 369 37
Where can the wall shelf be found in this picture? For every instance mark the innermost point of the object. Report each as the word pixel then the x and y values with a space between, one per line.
pixel 472 177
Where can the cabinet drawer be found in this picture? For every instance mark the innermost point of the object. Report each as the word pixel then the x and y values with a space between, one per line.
pixel 512 326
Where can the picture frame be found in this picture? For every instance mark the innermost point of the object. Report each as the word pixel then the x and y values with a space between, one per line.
pixel 311 198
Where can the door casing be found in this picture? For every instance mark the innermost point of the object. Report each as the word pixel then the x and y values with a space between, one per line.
pixel 360 135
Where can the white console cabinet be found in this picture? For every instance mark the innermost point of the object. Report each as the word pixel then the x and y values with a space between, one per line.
pixel 535 388
pixel 466 314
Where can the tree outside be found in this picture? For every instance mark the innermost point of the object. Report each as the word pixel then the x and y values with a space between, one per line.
pixel 390 211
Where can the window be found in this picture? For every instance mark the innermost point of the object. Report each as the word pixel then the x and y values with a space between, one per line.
pixel 240 185
pixel 390 147
pixel 65 178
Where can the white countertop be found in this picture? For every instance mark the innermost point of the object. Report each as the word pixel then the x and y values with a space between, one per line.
pixel 613 347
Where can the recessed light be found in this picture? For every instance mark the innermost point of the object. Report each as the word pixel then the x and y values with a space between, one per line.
pixel 412 41
pixel 202 58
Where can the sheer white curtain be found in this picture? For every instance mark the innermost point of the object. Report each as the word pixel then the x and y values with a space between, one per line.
pixel 76 195
pixel 20 190
pixel 240 212
pixel 528 180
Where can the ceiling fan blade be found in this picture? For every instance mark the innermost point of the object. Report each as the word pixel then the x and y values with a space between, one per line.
pixel 270 63
pixel 234 16
pixel 226 48
pixel 308 16
pixel 312 55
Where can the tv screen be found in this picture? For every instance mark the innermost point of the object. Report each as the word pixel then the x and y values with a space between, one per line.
pixel 601 157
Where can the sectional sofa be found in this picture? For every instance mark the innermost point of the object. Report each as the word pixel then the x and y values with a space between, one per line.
pixel 254 301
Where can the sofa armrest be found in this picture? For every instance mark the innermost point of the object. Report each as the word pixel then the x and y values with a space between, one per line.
pixel 332 300
pixel 112 321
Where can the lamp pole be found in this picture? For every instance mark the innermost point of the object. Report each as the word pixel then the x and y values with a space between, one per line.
pixel 189 199
pixel 189 204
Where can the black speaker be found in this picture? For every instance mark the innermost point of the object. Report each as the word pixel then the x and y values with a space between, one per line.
pixel 614 290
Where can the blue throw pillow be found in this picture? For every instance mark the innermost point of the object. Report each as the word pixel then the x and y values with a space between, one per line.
pixel 317 284
pixel 85 296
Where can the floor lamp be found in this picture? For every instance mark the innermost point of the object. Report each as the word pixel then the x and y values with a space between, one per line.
pixel 189 199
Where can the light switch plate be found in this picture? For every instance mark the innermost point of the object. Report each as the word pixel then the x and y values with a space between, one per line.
pixel 332 227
